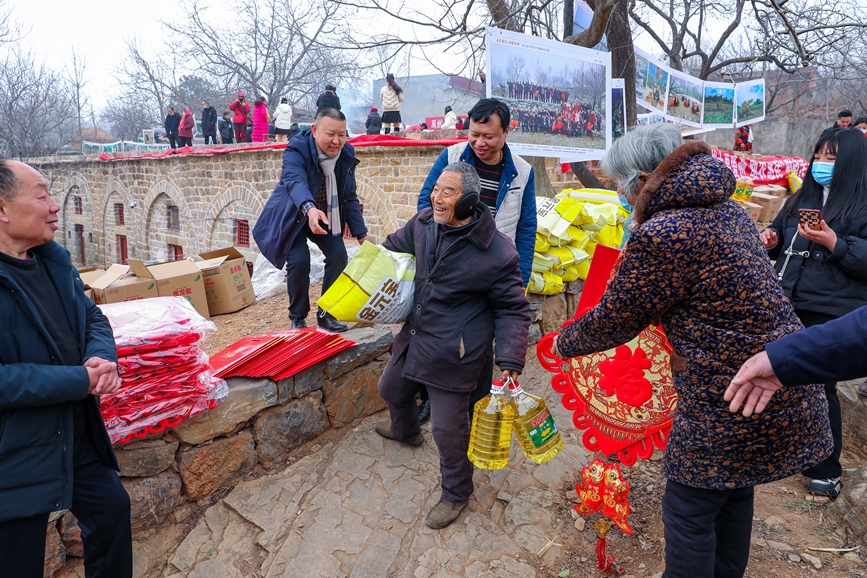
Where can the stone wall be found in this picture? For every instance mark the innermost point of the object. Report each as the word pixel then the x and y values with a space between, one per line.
pixel 195 201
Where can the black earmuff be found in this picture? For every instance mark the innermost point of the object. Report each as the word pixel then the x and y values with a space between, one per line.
pixel 466 206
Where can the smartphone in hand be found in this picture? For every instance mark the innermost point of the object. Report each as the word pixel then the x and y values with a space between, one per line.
pixel 810 218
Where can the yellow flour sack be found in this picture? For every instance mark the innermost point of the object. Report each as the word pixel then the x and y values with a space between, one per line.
pixel 377 286
pixel 546 283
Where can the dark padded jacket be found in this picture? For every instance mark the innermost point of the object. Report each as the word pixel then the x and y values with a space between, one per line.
pixel 695 263
pixel 464 299
pixel 173 122
pixel 373 123
pixel 36 390
pixel 327 99
pixel 282 219
pixel 819 280
pixel 209 121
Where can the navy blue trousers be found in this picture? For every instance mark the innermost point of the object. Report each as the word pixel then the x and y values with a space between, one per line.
pixel 707 532
pixel 102 507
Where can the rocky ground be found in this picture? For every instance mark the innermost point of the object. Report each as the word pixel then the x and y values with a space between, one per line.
pixel 352 504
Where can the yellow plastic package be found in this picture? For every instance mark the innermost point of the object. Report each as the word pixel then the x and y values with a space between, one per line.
pixel 795 182
pixel 546 283
pixel 542 244
pixel 377 286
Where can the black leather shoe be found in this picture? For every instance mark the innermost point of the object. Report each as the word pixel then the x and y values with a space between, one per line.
pixel 298 322
pixel 424 411
pixel 329 323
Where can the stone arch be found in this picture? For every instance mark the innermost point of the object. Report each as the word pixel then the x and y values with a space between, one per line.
pixel 116 192
pixel 76 186
pixel 156 232
pixel 379 214
pixel 238 200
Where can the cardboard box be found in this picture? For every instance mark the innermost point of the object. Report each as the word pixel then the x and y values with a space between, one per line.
pixel 117 285
pixel 227 280
pixel 771 205
pixel 752 209
pixel 773 190
pixel 87 275
pixel 175 279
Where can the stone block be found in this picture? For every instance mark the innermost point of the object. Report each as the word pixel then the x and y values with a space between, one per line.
pixel 574 287
pixel 282 428
pixel 247 397
pixel 145 458
pixel 55 552
pixel 534 335
pixel 70 534
pixel 152 499
pixel 354 395
pixel 208 469
pixel 553 314
pixel 372 343
pixel 300 385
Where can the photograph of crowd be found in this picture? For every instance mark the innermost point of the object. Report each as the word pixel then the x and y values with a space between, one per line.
pixel 560 107
pixel 719 104
pixel 685 97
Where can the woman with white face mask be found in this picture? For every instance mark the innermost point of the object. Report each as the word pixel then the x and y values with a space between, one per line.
pixel 822 259
pixel 861 124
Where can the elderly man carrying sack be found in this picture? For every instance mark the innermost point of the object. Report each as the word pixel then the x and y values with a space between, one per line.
pixel 57 354
pixel 468 292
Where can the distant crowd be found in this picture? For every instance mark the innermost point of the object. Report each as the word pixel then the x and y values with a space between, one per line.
pixel 569 119
pixel 522 90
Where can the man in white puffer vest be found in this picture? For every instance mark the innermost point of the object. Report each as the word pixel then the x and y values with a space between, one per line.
pixel 508 188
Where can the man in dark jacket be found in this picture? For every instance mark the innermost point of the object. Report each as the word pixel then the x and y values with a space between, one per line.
pixel 832 351
pixel 57 354
pixel 328 99
pixel 209 123
pixel 172 124
pixel 315 199
pixel 373 122
pixel 467 293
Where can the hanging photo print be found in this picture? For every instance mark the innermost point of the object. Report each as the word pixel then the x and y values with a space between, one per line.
pixel 618 108
pixel 685 96
pixel 750 98
pixel 559 95
pixel 719 104
pixel 651 82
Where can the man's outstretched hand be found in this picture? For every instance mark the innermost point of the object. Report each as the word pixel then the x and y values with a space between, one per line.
pixel 753 385
pixel 314 216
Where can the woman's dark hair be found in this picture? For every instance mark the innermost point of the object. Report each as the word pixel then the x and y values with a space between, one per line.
pixel 860 120
pixel 389 80
pixel 848 197
pixel 448 109
pixel 284 100
pixel 259 100
pixel 330 87
pixel 487 107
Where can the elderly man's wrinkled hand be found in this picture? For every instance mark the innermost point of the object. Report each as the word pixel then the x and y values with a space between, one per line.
pixel 753 386
pixel 314 217
pixel 555 348
pixel 103 375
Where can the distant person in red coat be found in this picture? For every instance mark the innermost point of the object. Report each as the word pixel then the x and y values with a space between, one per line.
pixel 185 130
pixel 241 108
pixel 744 139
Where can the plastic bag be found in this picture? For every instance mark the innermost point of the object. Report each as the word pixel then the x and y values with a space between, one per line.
pixel 377 286
pixel 267 279
pixel 546 283
pixel 165 375
pixel 795 182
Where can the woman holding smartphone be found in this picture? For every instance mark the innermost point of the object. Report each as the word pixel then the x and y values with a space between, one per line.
pixel 819 242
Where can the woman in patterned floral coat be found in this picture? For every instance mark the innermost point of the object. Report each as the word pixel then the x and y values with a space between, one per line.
pixel 695 263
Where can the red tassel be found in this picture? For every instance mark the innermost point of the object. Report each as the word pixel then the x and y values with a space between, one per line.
pixel 602 556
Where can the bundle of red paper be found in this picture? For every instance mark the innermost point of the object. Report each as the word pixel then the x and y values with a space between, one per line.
pixel 278 355
pixel 165 374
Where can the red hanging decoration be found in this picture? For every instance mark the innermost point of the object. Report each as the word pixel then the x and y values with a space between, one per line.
pixel 624 398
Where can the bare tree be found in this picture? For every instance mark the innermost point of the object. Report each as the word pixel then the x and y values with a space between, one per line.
pixel 39 110
pixel 276 47
pixel 154 76
pixel 77 82
pixel 126 114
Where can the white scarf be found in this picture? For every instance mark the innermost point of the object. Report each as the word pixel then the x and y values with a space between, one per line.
pixel 327 164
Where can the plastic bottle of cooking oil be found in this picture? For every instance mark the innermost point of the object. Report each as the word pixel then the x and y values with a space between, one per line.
pixel 534 426
pixel 491 432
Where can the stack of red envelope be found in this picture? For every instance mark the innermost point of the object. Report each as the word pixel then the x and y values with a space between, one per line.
pixel 278 355
pixel 165 375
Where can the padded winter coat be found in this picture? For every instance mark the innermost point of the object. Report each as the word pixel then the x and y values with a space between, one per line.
pixel 281 219
pixel 816 279
pixel 695 262
pixel 36 429
pixel 464 299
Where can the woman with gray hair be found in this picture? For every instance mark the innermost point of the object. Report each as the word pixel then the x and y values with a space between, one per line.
pixel 695 263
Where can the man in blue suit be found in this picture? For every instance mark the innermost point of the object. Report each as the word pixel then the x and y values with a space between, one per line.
pixel 57 354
